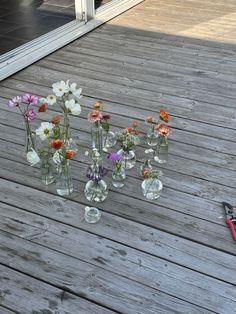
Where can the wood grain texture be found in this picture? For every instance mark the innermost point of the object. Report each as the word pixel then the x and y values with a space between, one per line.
pixel 173 255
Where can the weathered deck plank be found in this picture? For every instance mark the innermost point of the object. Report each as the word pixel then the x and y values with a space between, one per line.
pixel 175 255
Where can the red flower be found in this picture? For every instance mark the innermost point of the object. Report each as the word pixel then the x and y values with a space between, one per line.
pixel 164 116
pixel 42 108
pixel 56 119
pixel 69 154
pixel 145 173
pixel 129 130
pixel 56 144
pixel 106 117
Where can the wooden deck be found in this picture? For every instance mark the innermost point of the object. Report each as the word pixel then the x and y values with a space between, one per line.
pixel 174 255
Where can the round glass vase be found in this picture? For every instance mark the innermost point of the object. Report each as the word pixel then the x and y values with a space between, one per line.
pixel 152 188
pixel 97 137
pixel 161 152
pixel 152 136
pixel 64 184
pixel 109 140
pixel 92 214
pixel 128 158
pixel 96 191
pixel 118 178
pixel 47 169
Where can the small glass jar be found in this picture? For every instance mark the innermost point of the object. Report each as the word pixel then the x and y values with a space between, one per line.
pixel 92 214
pixel 128 158
pixel 152 188
pixel 161 152
pixel 109 140
pixel 118 178
pixel 96 191
pixel 64 184
pixel 152 136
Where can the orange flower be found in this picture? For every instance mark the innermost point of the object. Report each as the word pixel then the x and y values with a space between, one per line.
pixel 135 124
pixel 97 105
pixel 94 116
pixel 56 119
pixel 42 108
pixel 149 119
pixel 164 116
pixel 145 173
pixel 56 144
pixel 163 130
pixel 69 154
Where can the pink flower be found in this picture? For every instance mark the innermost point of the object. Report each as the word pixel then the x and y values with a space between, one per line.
pixel 163 130
pixel 30 99
pixel 15 101
pixel 30 115
pixel 94 116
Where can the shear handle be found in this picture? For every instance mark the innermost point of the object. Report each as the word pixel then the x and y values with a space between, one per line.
pixel 231 227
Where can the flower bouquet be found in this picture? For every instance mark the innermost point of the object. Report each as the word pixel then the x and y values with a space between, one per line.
pixel 128 138
pixel 102 137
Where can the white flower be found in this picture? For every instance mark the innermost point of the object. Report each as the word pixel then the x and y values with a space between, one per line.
pixel 73 107
pixel 51 100
pixel 86 153
pixel 60 88
pixel 74 91
pixel 45 130
pixel 32 157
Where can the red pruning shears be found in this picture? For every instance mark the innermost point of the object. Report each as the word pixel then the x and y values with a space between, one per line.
pixel 230 218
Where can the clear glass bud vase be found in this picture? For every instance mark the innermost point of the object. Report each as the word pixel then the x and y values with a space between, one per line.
pixel 118 178
pixel 64 184
pixel 97 137
pixel 161 152
pixel 128 158
pixel 152 136
pixel 109 140
pixel 96 191
pixel 152 188
pixel 47 169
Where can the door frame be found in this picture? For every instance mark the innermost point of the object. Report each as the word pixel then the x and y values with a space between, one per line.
pixel 86 20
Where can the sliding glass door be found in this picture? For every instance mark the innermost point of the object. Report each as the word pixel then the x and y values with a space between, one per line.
pixel 32 29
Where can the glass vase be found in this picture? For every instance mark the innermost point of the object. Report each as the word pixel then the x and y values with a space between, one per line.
pixel 96 191
pixel 161 152
pixel 64 184
pixel 152 188
pixel 128 158
pixel 118 178
pixel 92 214
pixel 152 137
pixel 97 138
pixel 109 140
pixel 47 169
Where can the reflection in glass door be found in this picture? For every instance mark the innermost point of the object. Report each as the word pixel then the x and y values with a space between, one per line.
pixel 24 20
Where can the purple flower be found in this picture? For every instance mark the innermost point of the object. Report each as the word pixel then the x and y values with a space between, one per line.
pixel 30 115
pixel 15 101
pixel 96 175
pixel 114 156
pixel 30 99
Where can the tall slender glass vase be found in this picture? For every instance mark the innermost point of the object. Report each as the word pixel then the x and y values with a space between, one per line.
pixel 64 184
pixel 47 169
pixel 97 137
